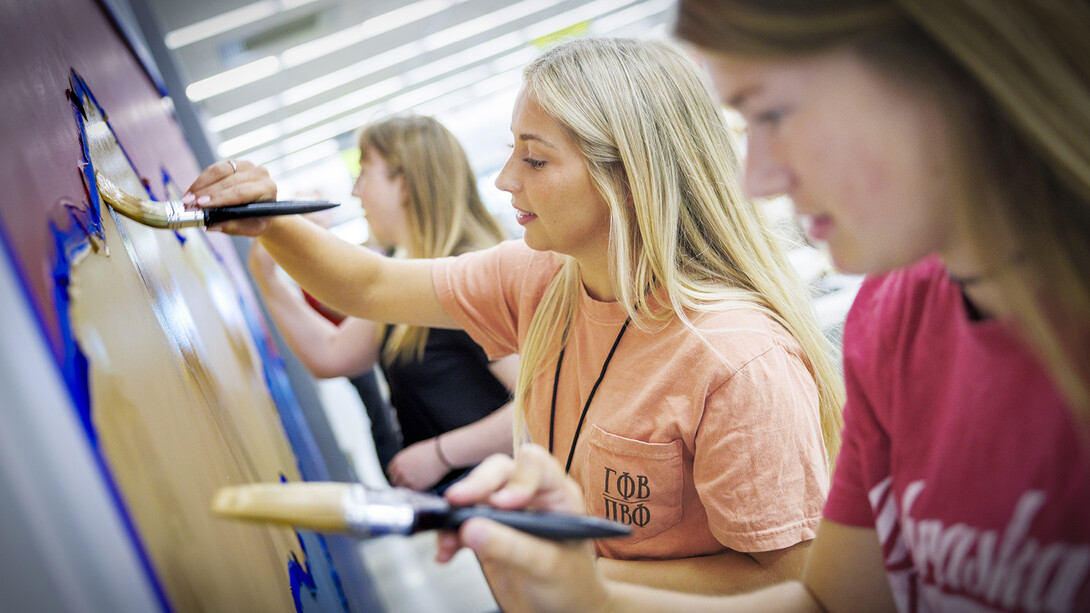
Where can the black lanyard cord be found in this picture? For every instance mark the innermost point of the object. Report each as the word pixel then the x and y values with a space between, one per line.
pixel 583 416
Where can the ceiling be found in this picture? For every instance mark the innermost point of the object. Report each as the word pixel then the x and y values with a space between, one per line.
pixel 285 83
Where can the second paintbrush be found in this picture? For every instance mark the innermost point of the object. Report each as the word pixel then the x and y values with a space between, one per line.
pixel 364 512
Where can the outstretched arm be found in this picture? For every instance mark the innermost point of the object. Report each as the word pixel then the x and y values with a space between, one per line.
pixel 325 349
pixel 349 278
pixel 354 279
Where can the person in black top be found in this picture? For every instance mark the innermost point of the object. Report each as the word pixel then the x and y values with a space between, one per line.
pixel 420 198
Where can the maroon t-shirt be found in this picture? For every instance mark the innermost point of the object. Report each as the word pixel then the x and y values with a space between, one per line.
pixel 961 453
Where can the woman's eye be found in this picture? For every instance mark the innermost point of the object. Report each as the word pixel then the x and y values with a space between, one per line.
pixel 534 163
pixel 770 117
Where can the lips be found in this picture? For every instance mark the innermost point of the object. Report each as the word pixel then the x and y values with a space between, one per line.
pixel 524 217
pixel 818 227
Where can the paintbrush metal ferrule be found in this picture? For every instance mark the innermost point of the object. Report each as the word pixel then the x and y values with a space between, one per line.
pixel 173 214
pixel 375 512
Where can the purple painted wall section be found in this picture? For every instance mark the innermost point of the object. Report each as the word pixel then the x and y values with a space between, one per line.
pixel 41 42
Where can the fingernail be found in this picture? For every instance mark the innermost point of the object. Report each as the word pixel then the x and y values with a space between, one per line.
pixel 473 534
pixel 189 198
pixel 204 200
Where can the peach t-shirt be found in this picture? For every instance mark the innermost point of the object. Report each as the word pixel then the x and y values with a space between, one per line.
pixel 698 444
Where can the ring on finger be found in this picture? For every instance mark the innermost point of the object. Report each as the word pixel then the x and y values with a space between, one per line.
pixel 234 166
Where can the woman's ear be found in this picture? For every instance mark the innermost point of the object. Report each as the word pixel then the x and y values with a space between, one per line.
pixel 404 187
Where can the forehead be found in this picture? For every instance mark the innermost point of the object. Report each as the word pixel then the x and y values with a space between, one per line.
pixel 742 82
pixel 369 156
pixel 738 79
pixel 530 123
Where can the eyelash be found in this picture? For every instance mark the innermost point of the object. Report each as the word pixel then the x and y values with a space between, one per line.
pixel 535 164
pixel 771 117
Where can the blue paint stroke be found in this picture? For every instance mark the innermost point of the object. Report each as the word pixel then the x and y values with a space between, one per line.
pixel 305 577
pixel 68 245
pixel 309 462
pixel 317 580
pixel 322 581
pixel 168 183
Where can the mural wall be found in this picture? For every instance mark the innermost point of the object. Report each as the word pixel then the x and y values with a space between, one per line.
pixel 155 336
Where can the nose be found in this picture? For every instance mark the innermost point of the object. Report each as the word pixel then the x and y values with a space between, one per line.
pixel 357 187
pixel 505 181
pixel 764 175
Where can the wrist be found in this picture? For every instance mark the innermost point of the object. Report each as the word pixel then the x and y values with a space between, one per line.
pixel 278 227
pixel 442 457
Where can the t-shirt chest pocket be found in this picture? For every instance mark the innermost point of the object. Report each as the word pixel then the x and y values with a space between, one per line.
pixel 636 483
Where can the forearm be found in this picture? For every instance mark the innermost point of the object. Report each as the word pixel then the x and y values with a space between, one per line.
pixel 788 597
pixel 353 279
pixel 730 572
pixel 468 445
pixel 306 332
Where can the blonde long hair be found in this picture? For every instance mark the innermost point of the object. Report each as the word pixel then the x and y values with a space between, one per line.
pixel 1014 77
pixel 445 211
pixel 683 238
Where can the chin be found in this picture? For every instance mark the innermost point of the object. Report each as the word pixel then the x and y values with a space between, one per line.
pixel 533 243
pixel 853 262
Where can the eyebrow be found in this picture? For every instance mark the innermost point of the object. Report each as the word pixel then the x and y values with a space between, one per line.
pixel 534 137
pixel 739 99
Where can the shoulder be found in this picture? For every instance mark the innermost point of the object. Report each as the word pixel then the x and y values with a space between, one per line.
pixel 511 258
pixel 892 302
pixel 899 291
pixel 740 337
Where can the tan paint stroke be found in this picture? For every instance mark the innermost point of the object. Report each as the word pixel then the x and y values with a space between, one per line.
pixel 179 404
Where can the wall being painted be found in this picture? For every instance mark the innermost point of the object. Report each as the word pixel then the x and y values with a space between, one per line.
pixel 145 349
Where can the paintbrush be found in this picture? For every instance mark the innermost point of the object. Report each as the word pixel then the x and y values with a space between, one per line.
pixel 173 214
pixel 364 512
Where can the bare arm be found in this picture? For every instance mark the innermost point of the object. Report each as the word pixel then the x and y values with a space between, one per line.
pixel 325 349
pixel 844 574
pixel 353 279
pixel 349 278
pixel 730 572
pixel 419 466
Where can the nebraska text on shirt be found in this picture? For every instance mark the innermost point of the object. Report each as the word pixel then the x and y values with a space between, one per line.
pixel 1005 569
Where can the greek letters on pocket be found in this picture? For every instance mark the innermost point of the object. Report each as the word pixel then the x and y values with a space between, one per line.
pixel 636 483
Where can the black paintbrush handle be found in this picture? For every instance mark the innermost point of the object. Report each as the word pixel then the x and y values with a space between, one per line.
pixel 220 214
pixel 554 526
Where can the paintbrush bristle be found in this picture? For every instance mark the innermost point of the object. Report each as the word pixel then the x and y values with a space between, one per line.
pixel 145 211
pixel 315 506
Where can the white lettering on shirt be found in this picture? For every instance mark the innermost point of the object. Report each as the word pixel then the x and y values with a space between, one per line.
pixel 1004 569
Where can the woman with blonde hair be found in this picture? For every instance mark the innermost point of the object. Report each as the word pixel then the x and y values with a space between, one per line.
pixel 452 403
pixel 670 356
pixel 943 148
